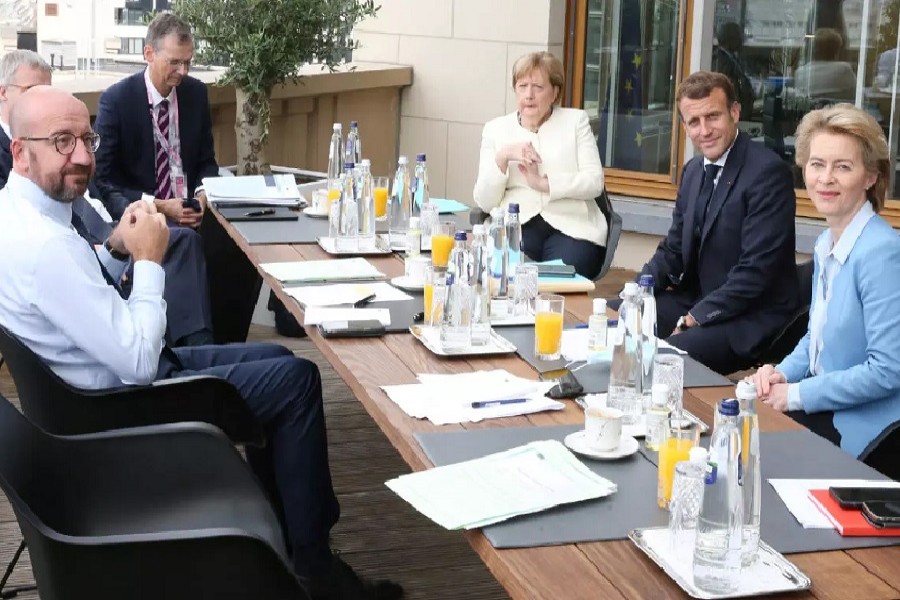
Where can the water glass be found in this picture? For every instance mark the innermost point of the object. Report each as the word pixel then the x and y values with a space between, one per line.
pixel 442 243
pixel 380 197
pixel 684 508
pixel 435 292
pixel 548 326
pixel 429 222
pixel 668 369
pixel 525 289
pixel 679 436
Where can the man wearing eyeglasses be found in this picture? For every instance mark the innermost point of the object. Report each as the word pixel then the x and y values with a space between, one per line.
pixel 157 131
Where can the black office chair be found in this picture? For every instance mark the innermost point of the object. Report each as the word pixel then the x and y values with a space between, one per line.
pixel 613 231
pixel 883 453
pixel 62 409
pixel 796 327
pixel 169 511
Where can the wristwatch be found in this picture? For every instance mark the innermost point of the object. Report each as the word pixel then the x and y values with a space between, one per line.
pixel 115 253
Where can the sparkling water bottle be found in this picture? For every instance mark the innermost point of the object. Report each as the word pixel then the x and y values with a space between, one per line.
pixel 353 148
pixel 499 265
pixel 456 321
pixel 648 336
pixel 751 480
pixel 401 206
pixel 717 551
pixel 420 185
pixel 348 225
pixel 657 415
pixel 687 497
pixel 513 240
pixel 366 199
pixel 481 287
pixel 334 153
pixel 625 381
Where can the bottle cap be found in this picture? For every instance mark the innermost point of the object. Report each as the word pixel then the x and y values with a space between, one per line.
pixel 646 281
pixel 698 454
pixel 631 288
pixel 402 160
pixel 746 390
pixel 513 209
pixel 729 408
pixel 349 165
pixel 420 157
pixel 413 223
pixel 599 306
pixel 336 127
pixel 365 162
pixel 659 393
pixel 354 124
pixel 460 236
pixel 496 212
pixel 478 229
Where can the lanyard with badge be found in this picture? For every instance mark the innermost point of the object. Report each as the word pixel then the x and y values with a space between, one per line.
pixel 172 148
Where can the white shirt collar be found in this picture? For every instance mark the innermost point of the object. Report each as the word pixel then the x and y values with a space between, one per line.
pixel 721 160
pixel 5 127
pixel 841 250
pixel 22 187
pixel 154 93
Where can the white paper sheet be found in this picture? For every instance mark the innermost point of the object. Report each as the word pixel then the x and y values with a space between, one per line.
pixel 795 495
pixel 345 293
pixel 314 315
pixel 493 488
pixel 315 271
pixel 253 188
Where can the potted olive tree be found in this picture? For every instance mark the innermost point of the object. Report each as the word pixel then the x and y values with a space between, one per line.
pixel 262 43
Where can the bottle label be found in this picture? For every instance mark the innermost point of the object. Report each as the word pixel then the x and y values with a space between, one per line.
pixel 712 470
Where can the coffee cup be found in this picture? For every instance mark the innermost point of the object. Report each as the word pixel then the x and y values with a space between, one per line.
pixel 416 267
pixel 320 201
pixel 603 428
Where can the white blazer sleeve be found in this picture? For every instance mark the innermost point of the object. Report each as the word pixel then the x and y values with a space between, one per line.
pixel 490 187
pixel 585 181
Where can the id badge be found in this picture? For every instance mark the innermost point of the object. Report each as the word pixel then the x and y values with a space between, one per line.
pixel 180 187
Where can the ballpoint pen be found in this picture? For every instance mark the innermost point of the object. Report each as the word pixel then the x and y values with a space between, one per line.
pixel 364 301
pixel 489 403
pixel 260 213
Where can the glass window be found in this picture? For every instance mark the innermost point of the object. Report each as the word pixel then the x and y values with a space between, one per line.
pixel 630 66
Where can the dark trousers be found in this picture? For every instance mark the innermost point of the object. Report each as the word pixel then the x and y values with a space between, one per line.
pixel 284 392
pixel 543 242
pixel 188 314
pixel 820 423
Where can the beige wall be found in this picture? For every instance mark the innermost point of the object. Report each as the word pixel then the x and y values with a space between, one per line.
pixel 462 53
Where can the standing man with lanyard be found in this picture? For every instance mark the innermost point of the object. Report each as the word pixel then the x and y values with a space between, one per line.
pixel 157 132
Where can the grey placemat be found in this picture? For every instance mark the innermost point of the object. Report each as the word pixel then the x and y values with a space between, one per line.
pixel 304 230
pixel 402 311
pixel 609 518
pixel 802 455
pixel 252 214
pixel 522 338
pixel 594 378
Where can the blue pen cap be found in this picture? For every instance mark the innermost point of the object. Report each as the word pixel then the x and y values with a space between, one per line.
pixel 420 157
pixel 513 209
pixel 459 236
pixel 646 281
pixel 729 408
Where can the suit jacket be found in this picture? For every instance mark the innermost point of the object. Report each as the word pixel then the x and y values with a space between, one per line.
pixel 126 159
pixel 860 342
pixel 571 162
pixel 743 272
pixel 5 158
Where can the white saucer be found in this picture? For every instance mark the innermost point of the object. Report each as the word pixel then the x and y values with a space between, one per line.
pixel 315 215
pixel 405 283
pixel 576 443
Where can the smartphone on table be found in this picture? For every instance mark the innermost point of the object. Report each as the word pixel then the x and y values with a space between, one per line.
pixel 882 514
pixel 854 497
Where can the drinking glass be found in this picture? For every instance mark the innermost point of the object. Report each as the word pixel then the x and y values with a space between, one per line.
pixel 669 370
pixel 679 436
pixel 525 289
pixel 442 243
pixel 435 290
pixel 548 326
pixel 429 221
pixel 380 194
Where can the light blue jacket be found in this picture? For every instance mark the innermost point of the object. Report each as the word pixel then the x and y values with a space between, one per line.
pixel 860 342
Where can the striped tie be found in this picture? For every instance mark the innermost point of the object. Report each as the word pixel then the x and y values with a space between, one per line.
pixel 163 174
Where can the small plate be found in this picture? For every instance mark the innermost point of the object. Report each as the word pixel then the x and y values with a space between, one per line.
pixel 577 444
pixel 314 215
pixel 406 283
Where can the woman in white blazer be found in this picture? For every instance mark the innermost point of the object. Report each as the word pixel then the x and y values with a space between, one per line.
pixel 545 159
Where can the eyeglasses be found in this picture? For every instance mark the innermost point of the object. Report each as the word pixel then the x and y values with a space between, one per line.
pixel 65 142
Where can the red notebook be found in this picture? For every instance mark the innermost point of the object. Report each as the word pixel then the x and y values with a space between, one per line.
pixel 848 522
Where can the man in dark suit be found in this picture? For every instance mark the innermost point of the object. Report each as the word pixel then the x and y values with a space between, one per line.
pixel 724 276
pixel 189 322
pixel 156 130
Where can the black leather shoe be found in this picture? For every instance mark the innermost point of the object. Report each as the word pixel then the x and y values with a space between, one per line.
pixel 343 583
pixel 285 323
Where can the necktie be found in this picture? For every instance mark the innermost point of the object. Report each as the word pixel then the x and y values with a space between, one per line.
pixel 163 172
pixel 703 199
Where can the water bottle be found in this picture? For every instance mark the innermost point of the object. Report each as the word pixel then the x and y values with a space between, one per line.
pixel 366 200
pixel 648 335
pixel 481 287
pixel 657 415
pixel 420 185
pixel 751 480
pixel 353 148
pixel 717 550
pixel 456 321
pixel 348 224
pixel 598 331
pixel 687 497
pixel 334 153
pixel 625 380
pixel 513 240
pixel 401 206
pixel 499 265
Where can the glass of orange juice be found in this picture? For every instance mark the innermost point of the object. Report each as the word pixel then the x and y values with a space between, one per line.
pixel 380 194
pixel 442 243
pixel 435 289
pixel 679 436
pixel 548 326
pixel 334 191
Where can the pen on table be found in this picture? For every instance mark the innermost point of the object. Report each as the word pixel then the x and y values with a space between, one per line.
pixel 489 403
pixel 364 301
pixel 260 213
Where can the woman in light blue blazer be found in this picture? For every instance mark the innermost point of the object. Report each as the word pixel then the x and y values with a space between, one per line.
pixel 843 378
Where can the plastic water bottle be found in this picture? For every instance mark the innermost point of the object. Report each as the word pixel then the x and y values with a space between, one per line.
pixel 648 335
pixel 348 224
pixel 456 321
pixel 353 148
pixel 481 287
pixel 366 199
pixel 513 240
pixel 420 185
pixel 598 331
pixel 717 551
pixel 657 415
pixel 687 497
pixel 499 265
pixel 401 206
pixel 334 153
pixel 751 480
pixel 625 379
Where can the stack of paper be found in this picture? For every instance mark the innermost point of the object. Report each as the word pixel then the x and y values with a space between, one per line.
pixel 345 293
pixel 468 397
pixel 318 271
pixel 278 189
pixel 520 481
pixel 324 314
pixel 795 495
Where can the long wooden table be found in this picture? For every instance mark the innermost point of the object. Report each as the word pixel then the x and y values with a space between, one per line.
pixel 614 569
